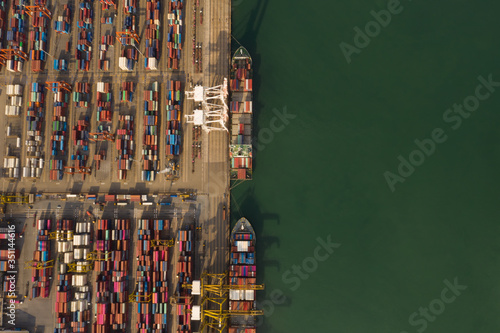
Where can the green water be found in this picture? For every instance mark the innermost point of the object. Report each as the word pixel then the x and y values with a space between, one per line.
pixel 324 173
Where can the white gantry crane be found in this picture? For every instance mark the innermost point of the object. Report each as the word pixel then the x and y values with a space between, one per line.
pixel 211 113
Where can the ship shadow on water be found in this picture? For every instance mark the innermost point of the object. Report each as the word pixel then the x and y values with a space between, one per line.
pixel 248 207
pixel 247 40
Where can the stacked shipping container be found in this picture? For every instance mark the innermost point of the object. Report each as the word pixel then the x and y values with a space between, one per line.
pixel 184 269
pixel 64 231
pixel 84 47
pixel 41 277
pixel 152 54
pixel 173 131
pixel 151 277
pixel 129 54
pixel 81 94
pixel 80 312
pixel 174 36
pixel 38 39
pixel 112 240
pixel 3 22
pixel 106 41
pixel 11 167
pixel 150 137
pixel 127 92
pixel 80 134
pixel 16 38
pixel 104 102
pixel 34 135
pixel 14 100
pixel 59 128
pixel 63 23
pixel 125 145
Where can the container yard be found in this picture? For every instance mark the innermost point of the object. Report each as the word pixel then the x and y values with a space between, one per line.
pixel 150 137
pixel 173 106
pixel 113 227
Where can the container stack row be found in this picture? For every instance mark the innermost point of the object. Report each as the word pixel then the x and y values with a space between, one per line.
pixel 150 136
pixel 38 40
pixel 80 134
pixel 16 37
pixel 59 128
pixel 81 94
pixel 41 273
pixel 173 131
pixel 3 21
pixel 153 36
pixel 129 54
pixel 64 232
pixel 63 23
pixel 241 77
pixel 127 92
pixel 174 37
pixel 128 58
pixel 104 113
pixel 84 47
pixel 14 100
pixel 80 303
pixel 106 42
pixel 60 64
pixel 240 107
pixel 34 134
pixel 151 277
pixel 112 242
pixel 125 145
pixel 184 269
pixel 11 167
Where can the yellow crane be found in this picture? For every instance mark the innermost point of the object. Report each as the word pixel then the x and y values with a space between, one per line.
pixel 88 265
pixel 14 199
pixel 39 264
pixel 135 298
pixel 214 291
pixel 61 235
pixel 162 242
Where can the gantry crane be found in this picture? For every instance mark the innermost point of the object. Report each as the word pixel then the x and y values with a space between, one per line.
pixel 213 290
pixel 39 264
pixel 30 10
pixel 8 53
pixel 59 85
pixel 101 136
pixel 129 36
pixel 87 266
pixel 135 298
pixel 65 235
pixel 78 170
pixel 14 199
pixel 160 242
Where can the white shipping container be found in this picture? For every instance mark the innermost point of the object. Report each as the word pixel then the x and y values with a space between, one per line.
pixel 68 257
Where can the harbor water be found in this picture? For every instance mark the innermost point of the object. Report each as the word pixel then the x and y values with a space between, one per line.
pixel 376 164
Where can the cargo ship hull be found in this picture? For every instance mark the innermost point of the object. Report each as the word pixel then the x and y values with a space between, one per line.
pixel 242 271
pixel 240 148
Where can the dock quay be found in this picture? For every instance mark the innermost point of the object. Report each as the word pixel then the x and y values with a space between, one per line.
pixel 113 206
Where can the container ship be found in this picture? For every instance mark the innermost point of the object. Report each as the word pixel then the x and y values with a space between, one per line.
pixel 240 148
pixel 242 272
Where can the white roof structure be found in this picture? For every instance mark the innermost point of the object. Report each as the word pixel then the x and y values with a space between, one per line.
pixel 212 112
pixel 196 312
pixel 196 287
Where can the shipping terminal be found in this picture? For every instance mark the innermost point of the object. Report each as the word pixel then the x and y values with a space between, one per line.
pixel 126 125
